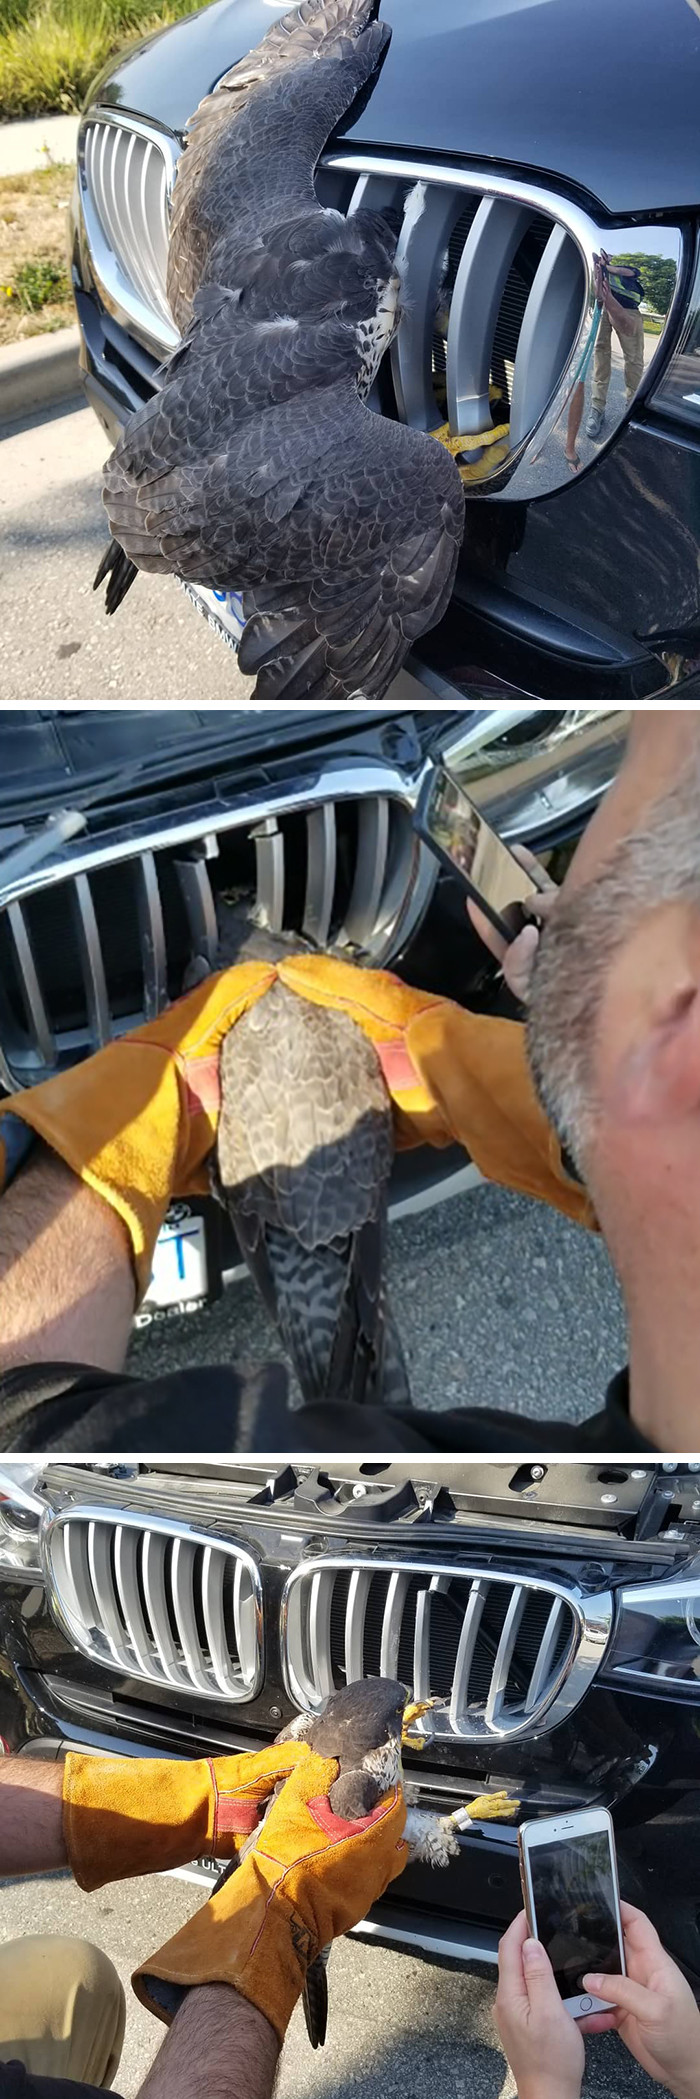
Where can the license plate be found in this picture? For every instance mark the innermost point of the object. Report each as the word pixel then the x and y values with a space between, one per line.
pixel 179 1277
pixel 222 608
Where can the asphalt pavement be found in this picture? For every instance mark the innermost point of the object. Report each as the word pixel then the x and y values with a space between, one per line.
pixel 399 2028
pixel 499 1301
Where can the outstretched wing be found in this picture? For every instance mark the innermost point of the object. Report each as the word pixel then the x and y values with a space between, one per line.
pixel 258 136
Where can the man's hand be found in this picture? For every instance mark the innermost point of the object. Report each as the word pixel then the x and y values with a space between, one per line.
pixel 309 1877
pixel 517 956
pixel 655 2011
pixel 542 2042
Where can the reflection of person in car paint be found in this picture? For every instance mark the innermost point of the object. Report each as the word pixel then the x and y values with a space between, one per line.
pixel 620 291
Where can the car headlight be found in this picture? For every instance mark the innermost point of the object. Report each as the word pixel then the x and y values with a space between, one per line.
pixel 656 1645
pixel 21 1512
pixel 678 393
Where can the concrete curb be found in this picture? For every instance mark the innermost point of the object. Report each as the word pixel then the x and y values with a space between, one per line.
pixel 37 373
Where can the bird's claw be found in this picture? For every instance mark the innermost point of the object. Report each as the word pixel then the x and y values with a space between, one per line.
pixel 486 1807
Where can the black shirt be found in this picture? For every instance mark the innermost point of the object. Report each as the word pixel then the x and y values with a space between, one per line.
pixel 72 1407
pixel 16 2083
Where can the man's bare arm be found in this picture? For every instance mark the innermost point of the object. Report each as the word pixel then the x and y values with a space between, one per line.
pixel 218 2047
pixel 66 1281
pixel 31 1817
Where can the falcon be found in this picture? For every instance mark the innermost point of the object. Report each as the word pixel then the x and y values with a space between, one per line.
pixel 303 1157
pixel 259 467
pixel 365 1726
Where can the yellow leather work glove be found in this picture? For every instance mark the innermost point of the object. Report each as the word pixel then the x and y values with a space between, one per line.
pixel 126 1815
pixel 138 1120
pixel 309 1877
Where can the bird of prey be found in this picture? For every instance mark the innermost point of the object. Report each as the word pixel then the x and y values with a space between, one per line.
pixel 259 467
pixel 303 1157
pixel 364 1726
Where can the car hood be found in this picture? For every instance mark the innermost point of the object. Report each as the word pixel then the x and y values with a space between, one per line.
pixel 600 97
pixel 45 756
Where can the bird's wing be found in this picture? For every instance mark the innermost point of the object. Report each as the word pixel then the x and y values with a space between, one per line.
pixel 252 145
pixel 366 554
pixel 358 520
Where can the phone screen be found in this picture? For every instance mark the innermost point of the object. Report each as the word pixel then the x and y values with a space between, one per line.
pixel 458 830
pixel 574 1898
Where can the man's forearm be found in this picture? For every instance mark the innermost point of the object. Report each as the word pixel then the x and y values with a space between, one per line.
pixel 66 1281
pixel 218 2047
pixel 31 1817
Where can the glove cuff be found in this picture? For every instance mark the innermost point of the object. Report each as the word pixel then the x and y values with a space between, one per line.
pixel 250 1936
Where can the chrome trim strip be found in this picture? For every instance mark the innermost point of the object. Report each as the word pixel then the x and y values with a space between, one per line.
pixel 592 1619
pixel 75 1557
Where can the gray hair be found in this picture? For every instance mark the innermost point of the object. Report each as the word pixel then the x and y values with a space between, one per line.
pixel 657 864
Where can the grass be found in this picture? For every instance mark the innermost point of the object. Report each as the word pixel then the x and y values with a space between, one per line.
pixel 35 294
pixel 50 50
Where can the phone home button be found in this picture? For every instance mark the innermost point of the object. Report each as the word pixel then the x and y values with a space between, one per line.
pixel 585 2004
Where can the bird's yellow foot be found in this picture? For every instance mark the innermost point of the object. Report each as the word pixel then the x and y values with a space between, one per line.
pixel 413 1711
pixel 487 1807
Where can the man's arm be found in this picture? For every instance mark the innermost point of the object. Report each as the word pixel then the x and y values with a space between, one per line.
pixel 31 1817
pixel 66 1282
pixel 218 2047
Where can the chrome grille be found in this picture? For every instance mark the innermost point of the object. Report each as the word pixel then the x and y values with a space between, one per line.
pixel 498 283
pixel 157 1599
pixel 92 949
pixel 505 1654
pixel 126 173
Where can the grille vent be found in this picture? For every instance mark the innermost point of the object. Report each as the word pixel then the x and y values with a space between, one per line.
pixel 504 1655
pixel 158 1600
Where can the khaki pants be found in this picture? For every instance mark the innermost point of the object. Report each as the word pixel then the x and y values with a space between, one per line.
pixel 62 2010
pixel 632 347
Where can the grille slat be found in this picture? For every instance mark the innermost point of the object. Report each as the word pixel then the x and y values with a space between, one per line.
pixel 501 1654
pixel 151 1596
pixel 41 1033
pixel 92 961
pixel 270 868
pixel 126 1556
pixel 370 870
pixel 198 899
pixel 152 932
pixel 321 863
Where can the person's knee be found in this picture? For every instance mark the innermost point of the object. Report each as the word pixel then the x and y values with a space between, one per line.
pixel 63 2009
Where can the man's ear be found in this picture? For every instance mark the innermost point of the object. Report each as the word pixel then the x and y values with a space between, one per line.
pixel 655 1076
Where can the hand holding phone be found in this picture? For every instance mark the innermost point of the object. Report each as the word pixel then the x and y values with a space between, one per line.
pixel 543 2045
pixel 569 1877
pixel 655 2012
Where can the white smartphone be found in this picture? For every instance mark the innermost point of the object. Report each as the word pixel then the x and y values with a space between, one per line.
pixel 572 1898
pixel 459 835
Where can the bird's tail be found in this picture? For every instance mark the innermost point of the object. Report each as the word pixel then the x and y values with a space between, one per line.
pixel 120 571
pixel 315 1999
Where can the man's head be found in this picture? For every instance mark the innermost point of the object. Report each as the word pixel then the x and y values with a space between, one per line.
pixel 614 1023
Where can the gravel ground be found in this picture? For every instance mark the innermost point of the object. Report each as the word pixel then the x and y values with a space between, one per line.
pixel 429 2029
pixel 500 1302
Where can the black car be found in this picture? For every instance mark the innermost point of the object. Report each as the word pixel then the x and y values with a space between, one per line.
pixel 197 830
pixel 184 1610
pixel 552 141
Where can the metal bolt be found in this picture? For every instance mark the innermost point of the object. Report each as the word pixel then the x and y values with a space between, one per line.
pixel 673 1534
pixel 668 1468
pixel 668 1494
pixel 275 1712
pixel 359 1491
pixel 638 1474
pixel 537 1472
pixel 608 1500
pixel 694 1468
pixel 695 1506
